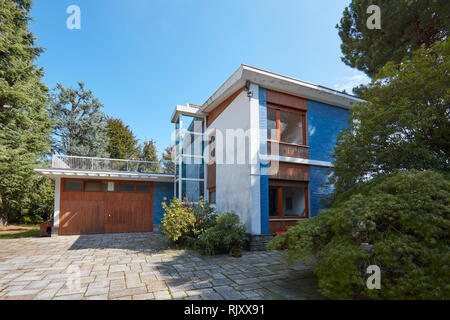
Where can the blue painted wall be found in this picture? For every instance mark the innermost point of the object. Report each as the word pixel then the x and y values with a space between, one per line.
pixel 264 165
pixel 317 190
pixel 161 190
pixel 325 123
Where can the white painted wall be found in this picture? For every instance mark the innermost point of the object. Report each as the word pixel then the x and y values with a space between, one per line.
pixel 56 205
pixel 236 188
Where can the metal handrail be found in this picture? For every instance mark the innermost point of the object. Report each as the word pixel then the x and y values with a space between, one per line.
pixel 106 164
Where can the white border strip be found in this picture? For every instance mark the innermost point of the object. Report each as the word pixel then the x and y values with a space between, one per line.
pixel 296 160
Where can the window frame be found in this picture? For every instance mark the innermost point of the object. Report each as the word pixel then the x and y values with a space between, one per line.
pixel 278 110
pixel 209 195
pixel 280 205
pixel 87 181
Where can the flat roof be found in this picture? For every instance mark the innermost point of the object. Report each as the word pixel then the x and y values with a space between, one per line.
pixel 104 175
pixel 280 83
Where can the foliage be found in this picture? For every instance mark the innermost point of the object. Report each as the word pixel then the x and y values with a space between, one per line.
pixel 80 123
pixel 178 220
pixel 149 153
pixel 405 26
pixel 403 125
pixel 404 216
pixel 226 234
pixel 122 144
pixel 205 216
pixel 168 160
pixel 24 121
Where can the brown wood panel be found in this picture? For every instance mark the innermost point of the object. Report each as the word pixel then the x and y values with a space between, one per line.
pixel 288 149
pixel 287 100
pixel 281 225
pixel 288 183
pixel 289 171
pixel 211 176
pixel 105 212
pixel 221 107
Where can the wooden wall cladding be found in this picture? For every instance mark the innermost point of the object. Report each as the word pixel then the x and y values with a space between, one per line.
pixel 281 225
pixel 289 171
pixel 288 150
pixel 221 107
pixel 105 212
pixel 211 176
pixel 287 100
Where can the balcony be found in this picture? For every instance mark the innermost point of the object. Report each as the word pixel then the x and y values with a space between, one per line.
pixel 105 164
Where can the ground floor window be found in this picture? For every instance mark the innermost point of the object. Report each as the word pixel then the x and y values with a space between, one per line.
pixel 212 196
pixel 288 201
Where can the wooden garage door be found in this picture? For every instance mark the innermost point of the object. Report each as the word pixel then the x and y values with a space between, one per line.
pixel 89 206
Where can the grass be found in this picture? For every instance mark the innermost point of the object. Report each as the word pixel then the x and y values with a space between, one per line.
pixel 24 234
pixel 18 231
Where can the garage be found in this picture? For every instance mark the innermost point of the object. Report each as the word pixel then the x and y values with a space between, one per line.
pixel 89 206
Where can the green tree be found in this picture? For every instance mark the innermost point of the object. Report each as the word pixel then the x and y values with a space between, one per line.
pixel 24 121
pixel 399 222
pixel 80 123
pixel 167 159
pixel 122 144
pixel 403 125
pixel 405 26
pixel 149 153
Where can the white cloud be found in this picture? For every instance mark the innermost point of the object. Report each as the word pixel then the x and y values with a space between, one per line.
pixel 348 83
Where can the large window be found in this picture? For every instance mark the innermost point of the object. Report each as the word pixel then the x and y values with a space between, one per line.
pixel 289 125
pixel 285 202
pixel 189 158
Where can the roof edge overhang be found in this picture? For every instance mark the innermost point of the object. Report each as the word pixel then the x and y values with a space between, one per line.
pixel 104 175
pixel 186 110
pixel 280 83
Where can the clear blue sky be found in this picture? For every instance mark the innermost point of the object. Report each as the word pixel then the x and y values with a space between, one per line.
pixel 143 57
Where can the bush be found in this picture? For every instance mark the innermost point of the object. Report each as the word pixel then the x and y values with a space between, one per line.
pixel 404 216
pixel 227 234
pixel 205 217
pixel 178 220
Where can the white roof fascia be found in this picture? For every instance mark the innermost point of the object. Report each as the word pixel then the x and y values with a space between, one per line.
pixel 99 175
pixel 187 110
pixel 280 83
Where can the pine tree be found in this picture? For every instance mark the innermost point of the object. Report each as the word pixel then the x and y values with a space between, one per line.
pixel 168 164
pixel 24 121
pixel 405 26
pixel 80 123
pixel 122 144
pixel 149 153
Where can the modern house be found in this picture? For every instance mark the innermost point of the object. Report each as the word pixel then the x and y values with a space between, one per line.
pixel 260 146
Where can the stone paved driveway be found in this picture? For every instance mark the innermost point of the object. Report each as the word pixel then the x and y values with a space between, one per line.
pixel 142 266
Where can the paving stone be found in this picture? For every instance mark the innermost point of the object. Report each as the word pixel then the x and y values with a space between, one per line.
pixel 132 266
pixel 229 293
pixel 99 297
pixel 95 291
pixel 69 297
pixel 162 295
pixel 156 285
pixel 145 296
pixel 178 294
pixel 251 294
